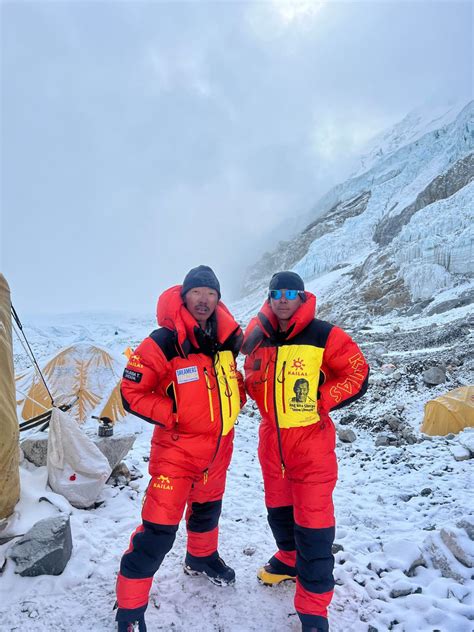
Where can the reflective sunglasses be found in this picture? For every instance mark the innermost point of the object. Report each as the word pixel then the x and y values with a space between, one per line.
pixel 290 295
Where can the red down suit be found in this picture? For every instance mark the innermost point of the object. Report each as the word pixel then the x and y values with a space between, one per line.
pixel 296 378
pixel 187 384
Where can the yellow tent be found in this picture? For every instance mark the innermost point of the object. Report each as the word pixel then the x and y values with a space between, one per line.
pixel 9 452
pixel 451 412
pixel 81 372
pixel 114 409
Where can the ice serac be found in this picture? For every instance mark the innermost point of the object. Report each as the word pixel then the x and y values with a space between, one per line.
pixel 397 236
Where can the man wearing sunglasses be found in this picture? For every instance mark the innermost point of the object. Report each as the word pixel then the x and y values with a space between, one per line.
pixel 298 368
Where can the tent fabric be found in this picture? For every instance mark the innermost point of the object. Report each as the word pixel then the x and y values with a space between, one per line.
pixel 83 371
pixel 114 409
pixel 9 432
pixel 451 412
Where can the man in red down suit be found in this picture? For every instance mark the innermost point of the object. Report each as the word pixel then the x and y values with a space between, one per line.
pixel 182 378
pixel 299 368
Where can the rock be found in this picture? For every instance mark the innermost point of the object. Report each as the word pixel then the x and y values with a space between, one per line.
pixel 468 525
pixel 441 559
pixel 466 439
pixel 346 435
pixel 249 550
pixel 379 352
pixel 397 376
pixel 388 369
pixel 135 473
pixel 35 448
pixel 336 548
pixel 459 545
pixel 382 440
pixel 45 549
pixel 420 561
pixel 120 475
pixel 385 439
pixel 426 491
pixel 460 453
pixel 404 555
pixel 425 437
pixel 393 422
pixel 403 588
pixel 434 376
pixel 347 419
pixel 114 448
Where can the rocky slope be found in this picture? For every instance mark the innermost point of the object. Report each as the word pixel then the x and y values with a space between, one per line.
pixel 397 237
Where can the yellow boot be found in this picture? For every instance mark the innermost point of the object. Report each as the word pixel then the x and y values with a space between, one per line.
pixel 270 576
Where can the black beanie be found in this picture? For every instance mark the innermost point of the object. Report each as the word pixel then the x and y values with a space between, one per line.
pixel 286 281
pixel 202 276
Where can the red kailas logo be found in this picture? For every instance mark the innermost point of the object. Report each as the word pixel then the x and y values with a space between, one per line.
pixel 297 364
pixel 162 482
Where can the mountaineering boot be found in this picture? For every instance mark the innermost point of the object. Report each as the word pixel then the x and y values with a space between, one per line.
pixel 212 566
pixel 132 626
pixel 307 628
pixel 274 572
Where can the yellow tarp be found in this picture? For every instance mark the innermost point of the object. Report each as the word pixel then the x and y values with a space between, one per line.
pixel 9 432
pixel 451 412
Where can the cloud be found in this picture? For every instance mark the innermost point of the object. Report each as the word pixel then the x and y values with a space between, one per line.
pixel 178 70
pixel 291 12
pixel 142 138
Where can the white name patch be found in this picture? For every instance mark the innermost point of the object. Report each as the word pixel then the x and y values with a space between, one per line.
pixel 189 374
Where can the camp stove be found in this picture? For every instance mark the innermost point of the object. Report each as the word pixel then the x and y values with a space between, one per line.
pixel 106 427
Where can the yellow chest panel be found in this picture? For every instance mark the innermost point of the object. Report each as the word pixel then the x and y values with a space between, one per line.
pixel 296 382
pixel 228 385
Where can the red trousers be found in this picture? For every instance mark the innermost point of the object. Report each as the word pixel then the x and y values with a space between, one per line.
pixel 301 511
pixel 163 507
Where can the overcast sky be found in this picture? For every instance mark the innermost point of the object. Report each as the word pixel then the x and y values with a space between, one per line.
pixel 141 139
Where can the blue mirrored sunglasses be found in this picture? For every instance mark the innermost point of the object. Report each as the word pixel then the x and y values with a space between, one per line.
pixel 290 295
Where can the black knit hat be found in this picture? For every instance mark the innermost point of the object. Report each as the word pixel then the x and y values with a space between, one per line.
pixel 202 276
pixel 286 281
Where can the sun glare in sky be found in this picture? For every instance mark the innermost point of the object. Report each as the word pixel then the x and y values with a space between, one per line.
pixel 291 11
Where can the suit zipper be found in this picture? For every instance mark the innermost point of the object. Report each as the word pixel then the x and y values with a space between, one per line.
pixel 228 392
pixel 283 403
pixel 206 471
pixel 209 389
pixel 265 392
pixel 276 416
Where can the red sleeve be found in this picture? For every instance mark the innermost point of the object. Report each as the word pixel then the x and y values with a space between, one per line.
pixel 346 372
pixel 144 385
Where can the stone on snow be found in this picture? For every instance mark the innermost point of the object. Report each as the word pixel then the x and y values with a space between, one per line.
pixel 45 549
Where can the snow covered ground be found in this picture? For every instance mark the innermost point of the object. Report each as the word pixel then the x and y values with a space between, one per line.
pixel 391 505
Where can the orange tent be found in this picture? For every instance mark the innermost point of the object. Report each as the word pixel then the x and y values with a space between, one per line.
pixel 451 412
